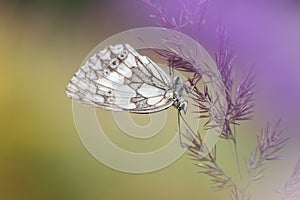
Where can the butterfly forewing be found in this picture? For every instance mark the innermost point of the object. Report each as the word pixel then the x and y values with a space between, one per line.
pixel 118 78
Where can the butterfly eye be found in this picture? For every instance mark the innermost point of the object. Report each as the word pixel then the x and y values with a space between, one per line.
pixel 106 72
pixel 109 93
pixel 110 100
pixel 114 63
pixel 123 54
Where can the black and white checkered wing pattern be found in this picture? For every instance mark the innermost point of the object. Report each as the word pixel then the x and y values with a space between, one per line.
pixel 118 78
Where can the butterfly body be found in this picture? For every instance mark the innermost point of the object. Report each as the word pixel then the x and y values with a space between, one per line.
pixel 118 78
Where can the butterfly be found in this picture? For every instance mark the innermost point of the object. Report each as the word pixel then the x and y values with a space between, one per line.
pixel 118 78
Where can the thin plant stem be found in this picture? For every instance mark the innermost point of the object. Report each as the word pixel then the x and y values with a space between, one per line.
pixel 236 153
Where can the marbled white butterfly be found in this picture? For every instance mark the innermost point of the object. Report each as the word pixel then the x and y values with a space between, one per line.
pixel 118 78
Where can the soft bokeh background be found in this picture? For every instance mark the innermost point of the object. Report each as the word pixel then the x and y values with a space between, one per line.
pixel 42 43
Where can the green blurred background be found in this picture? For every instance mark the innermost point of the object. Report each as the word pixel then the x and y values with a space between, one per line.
pixel 42 45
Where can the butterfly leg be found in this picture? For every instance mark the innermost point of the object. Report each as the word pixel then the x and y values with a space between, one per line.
pixel 179 130
pixel 196 135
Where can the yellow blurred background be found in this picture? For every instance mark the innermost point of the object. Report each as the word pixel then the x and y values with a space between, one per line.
pixel 42 45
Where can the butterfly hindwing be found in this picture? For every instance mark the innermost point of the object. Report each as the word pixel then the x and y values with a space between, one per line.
pixel 118 78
